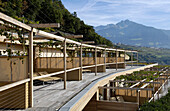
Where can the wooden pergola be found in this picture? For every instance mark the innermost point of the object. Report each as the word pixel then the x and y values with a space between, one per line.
pixel 45 35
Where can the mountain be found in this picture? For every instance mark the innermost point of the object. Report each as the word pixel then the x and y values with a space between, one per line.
pixel 131 33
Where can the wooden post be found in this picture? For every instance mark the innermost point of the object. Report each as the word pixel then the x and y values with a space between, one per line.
pixel 81 65
pixel 153 95
pixel 105 58
pixel 97 95
pixel 131 58
pixel 158 94
pixel 31 66
pixel 65 65
pixel 116 60
pixel 147 95
pixel 105 93
pixel 111 90
pixel 137 96
pixel 95 61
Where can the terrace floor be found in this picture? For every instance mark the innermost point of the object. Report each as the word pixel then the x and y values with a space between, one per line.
pixel 51 97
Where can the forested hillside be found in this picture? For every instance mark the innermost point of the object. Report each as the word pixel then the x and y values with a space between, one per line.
pixel 50 11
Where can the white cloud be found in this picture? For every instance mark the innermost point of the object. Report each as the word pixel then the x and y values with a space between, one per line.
pixel 100 12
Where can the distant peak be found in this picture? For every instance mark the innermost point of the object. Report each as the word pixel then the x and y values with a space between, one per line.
pixel 110 24
pixel 124 23
pixel 127 20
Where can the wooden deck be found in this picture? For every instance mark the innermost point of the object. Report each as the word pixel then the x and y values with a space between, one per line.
pixel 53 96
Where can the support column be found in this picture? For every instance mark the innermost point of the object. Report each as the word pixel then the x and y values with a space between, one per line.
pixel 81 65
pixel 147 95
pixel 138 96
pixel 31 66
pixel 153 91
pixel 105 93
pixel 97 95
pixel 105 57
pixel 158 95
pixel 111 90
pixel 95 61
pixel 65 65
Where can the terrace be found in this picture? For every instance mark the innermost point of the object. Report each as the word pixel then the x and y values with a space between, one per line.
pixel 38 67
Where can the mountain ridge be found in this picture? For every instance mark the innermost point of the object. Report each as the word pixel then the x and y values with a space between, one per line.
pixel 132 33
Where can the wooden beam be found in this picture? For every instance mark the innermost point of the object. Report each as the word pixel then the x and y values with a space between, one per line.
pixel 116 60
pixel 111 90
pixel 145 85
pixel 45 25
pixel 81 59
pixel 97 95
pixel 26 38
pixel 105 57
pixel 2 27
pixel 1 22
pixel 73 36
pixel 88 42
pixel 160 78
pixel 138 96
pixel 95 61
pixel 137 83
pixel 67 36
pixel 65 65
pixel 102 45
pixel 134 81
pixel 14 22
pixel 102 87
pixel 31 67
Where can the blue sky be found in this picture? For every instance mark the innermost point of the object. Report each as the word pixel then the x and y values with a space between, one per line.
pixel 154 13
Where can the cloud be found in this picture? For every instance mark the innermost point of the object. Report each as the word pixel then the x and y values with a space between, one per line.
pixel 100 12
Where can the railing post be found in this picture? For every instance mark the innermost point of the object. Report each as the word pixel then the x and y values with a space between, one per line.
pixel 138 96
pixel 65 65
pixel 158 94
pixel 97 94
pixel 31 66
pixel 116 60
pixel 95 61
pixel 111 90
pixel 153 95
pixel 81 53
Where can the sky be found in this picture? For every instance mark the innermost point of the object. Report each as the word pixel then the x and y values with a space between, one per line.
pixel 155 13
